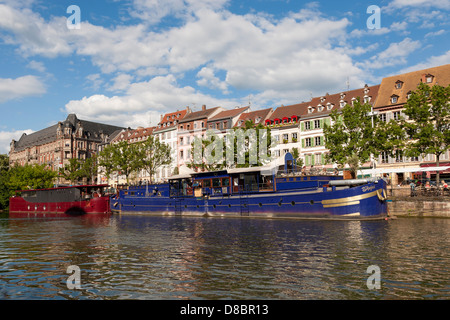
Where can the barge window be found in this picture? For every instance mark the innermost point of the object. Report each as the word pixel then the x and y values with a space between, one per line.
pixel 207 183
pixel 216 182
pixel 226 182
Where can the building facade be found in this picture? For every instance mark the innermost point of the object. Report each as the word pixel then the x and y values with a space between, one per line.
pixel 393 95
pixel 284 124
pixel 192 125
pixel 316 114
pixel 167 132
pixel 54 146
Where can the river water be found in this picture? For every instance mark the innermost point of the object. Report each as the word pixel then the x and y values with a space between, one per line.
pixel 142 257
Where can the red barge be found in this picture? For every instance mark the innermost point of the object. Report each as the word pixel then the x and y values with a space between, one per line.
pixel 61 201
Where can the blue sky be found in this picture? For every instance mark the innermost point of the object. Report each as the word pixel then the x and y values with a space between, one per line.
pixel 132 60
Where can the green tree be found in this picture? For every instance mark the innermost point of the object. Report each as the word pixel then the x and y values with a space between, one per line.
pixel 122 157
pixel 4 178
pixel 106 164
pixel 252 145
pixel 89 168
pixel 428 123
pixel 152 154
pixel 30 177
pixel 351 138
pixel 296 156
pixel 72 171
pixel 200 162
pixel 241 148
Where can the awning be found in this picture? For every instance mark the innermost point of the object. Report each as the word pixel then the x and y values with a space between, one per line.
pixel 404 170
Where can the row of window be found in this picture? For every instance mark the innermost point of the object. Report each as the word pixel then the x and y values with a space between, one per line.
pixel 342 103
pixel 399 157
pixel 196 125
pixel 315 159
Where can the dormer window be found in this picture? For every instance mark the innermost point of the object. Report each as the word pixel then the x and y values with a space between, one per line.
pixel 408 95
pixel 320 108
pixel 394 98
pixel 310 109
pixel 366 89
pixel 342 96
pixel 398 84
pixel 322 99
pixel 342 104
pixel 366 99
pixel 329 106
pixel 353 101
pixel 429 78
pixel 257 120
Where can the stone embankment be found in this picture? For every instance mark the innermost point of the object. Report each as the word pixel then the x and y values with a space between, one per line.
pixel 401 204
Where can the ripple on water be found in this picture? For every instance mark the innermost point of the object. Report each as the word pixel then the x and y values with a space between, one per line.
pixel 171 258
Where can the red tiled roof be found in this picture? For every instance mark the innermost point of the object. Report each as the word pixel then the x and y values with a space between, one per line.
pixel 228 113
pixel 331 102
pixel 253 115
pixel 410 81
pixel 199 114
pixel 169 119
pixel 130 134
pixel 289 111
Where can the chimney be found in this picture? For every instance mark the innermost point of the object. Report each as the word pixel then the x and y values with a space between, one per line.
pixel 161 119
pixel 203 107
pixel 188 110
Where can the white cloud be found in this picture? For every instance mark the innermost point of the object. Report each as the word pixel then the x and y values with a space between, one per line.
pixel 395 54
pixel 141 100
pixel 95 80
pixel 441 4
pixel 36 65
pixel 7 136
pixel 208 79
pixel 153 11
pixel 433 61
pixel 20 87
pixel 434 34
pixel 121 82
pixel 33 34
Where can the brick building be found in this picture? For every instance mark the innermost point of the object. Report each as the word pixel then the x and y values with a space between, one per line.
pixel 55 145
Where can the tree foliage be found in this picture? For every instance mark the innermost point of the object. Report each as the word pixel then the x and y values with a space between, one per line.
pixel 238 148
pixel 428 123
pixel 153 154
pixel 76 170
pixel 351 137
pixel 125 158
pixel 22 177
pixel 72 170
pixel 4 177
pixel 121 157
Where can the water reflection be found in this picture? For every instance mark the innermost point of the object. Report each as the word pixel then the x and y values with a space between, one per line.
pixel 136 257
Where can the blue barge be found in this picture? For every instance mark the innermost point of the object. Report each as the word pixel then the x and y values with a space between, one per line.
pixel 257 192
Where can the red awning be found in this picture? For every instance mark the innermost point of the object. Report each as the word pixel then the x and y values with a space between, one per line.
pixel 442 164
